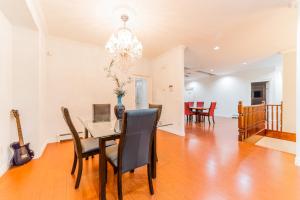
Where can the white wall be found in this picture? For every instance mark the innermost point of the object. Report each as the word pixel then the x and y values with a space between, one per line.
pixel 5 91
pixel 228 90
pixel 289 91
pixel 76 79
pixel 26 83
pixel 168 69
pixel 297 158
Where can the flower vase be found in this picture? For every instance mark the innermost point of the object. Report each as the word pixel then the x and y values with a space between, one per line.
pixel 119 108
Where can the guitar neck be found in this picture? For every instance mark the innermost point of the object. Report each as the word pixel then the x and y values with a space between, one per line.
pixel 20 134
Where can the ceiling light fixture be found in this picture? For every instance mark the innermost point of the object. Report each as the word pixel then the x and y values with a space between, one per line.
pixel 216 48
pixel 212 70
pixel 245 63
pixel 123 45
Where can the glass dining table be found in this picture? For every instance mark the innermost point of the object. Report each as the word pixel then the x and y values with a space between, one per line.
pixel 106 131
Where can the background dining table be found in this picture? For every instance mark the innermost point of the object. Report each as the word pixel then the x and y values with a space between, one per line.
pixel 105 131
pixel 198 110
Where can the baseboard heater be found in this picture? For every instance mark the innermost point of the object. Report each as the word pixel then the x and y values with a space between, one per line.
pixel 67 136
pixel 235 116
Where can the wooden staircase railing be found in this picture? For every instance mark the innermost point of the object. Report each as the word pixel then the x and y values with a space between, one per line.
pixel 259 119
pixel 274 117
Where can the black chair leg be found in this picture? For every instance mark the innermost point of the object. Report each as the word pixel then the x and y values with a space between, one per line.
pixel 150 179
pixel 74 163
pixel 79 173
pixel 115 170
pixel 132 171
pixel 208 120
pixel 105 172
pixel 213 119
pixel 120 193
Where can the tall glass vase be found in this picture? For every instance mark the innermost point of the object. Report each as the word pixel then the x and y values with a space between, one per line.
pixel 119 110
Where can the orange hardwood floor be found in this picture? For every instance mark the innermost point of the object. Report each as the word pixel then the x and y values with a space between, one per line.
pixel 207 164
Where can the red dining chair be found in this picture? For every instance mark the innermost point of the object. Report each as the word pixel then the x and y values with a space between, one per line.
pixel 187 111
pixel 199 104
pixel 210 113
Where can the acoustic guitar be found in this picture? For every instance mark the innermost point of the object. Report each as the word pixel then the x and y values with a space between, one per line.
pixel 22 152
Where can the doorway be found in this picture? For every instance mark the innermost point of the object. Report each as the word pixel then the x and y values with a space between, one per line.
pixel 258 93
pixel 141 93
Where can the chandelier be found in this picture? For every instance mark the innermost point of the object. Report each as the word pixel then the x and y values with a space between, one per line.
pixel 123 45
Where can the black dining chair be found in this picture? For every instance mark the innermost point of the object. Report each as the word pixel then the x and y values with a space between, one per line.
pixel 83 148
pixel 101 112
pixel 134 148
pixel 159 111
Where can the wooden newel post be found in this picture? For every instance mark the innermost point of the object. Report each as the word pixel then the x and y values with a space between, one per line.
pixel 241 123
pixel 266 116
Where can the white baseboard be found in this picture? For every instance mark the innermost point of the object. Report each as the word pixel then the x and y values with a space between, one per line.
pixel 225 116
pixel 297 161
pixel 67 136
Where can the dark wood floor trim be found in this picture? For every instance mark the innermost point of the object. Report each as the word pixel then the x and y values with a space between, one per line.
pixel 281 135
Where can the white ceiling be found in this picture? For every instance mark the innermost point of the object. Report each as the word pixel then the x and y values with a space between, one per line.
pixel 272 62
pixel 18 13
pixel 246 30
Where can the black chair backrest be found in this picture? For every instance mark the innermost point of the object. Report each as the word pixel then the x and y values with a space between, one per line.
pixel 75 136
pixel 101 112
pixel 136 138
pixel 159 109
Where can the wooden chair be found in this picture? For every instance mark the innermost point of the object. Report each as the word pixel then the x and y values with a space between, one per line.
pixel 134 149
pixel 101 112
pixel 210 113
pixel 83 148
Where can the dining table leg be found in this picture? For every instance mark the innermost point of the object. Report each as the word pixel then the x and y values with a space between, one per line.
pixel 102 171
pixel 196 116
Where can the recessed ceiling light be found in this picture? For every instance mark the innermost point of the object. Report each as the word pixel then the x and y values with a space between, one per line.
pixel 212 70
pixel 216 48
pixel 245 63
